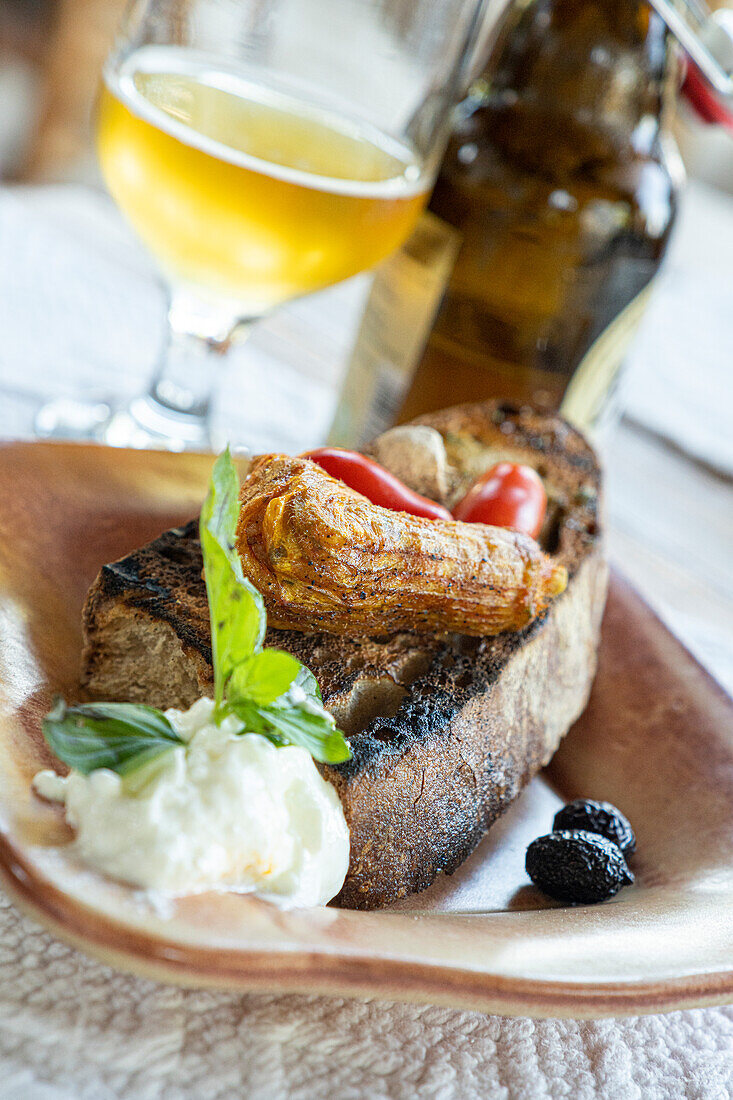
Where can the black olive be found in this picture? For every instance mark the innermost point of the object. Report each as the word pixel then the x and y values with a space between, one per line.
pixel 577 866
pixel 597 817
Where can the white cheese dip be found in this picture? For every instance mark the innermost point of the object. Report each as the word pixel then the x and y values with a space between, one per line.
pixel 227 811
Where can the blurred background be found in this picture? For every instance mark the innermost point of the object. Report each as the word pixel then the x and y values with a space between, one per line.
pixel 50 57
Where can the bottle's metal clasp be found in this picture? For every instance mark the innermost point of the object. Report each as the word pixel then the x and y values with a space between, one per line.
pixel 706 36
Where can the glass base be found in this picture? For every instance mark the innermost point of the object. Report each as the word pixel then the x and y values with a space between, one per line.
pixel 143 424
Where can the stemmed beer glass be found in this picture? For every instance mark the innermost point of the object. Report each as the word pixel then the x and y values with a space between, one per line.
pixel 264 149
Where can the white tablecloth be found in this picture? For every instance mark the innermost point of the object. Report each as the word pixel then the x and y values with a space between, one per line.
pixel 80 309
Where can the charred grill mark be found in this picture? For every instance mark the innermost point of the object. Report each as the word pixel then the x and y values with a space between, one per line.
pixel 120 576
pixel 554 439
pixel 152 580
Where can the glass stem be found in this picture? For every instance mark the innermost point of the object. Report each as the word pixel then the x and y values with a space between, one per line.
pixel 176 408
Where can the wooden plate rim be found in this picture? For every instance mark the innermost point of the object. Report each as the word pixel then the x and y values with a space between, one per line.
pixel 336 974
pixel 333 972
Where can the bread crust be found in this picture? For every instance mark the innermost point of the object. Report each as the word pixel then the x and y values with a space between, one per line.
pixel 446 730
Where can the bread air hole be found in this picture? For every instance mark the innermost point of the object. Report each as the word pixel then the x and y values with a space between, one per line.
pixel 370 698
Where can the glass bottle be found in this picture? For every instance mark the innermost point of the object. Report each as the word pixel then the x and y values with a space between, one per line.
pixel 562 178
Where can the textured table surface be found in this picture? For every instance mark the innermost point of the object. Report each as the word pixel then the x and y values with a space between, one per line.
pixel 80 310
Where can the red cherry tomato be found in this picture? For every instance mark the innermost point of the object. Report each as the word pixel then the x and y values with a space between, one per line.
pixel 507 495
pixel 375 482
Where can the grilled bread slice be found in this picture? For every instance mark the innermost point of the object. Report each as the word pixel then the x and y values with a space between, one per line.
pixel 445 729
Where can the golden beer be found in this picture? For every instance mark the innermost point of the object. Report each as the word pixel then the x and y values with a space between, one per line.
pixel 244 189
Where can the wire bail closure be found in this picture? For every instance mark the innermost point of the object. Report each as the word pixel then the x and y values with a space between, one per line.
pixel 706 37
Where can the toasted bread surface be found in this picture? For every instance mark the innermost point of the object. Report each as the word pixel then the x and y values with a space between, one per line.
pixel 445 729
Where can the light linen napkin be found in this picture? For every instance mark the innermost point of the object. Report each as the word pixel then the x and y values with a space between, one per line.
pixel 72 1029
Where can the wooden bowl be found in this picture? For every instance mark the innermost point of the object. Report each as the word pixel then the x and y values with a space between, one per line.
pixel 656 739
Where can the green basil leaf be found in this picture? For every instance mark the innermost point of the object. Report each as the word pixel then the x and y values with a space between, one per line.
pixel 296 725
pixel 317 733
pixel 307 682
pixel 236 608
pixel 119 736
pixel 264 677
pixel 255 721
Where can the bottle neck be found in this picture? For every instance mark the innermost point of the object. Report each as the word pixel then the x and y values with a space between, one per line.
pixel 564 68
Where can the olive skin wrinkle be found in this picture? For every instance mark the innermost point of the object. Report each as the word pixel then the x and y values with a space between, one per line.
pixel 597 817
pixel 577 867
